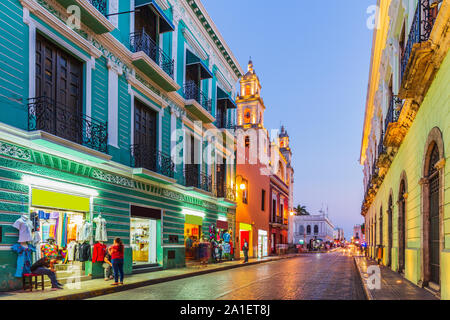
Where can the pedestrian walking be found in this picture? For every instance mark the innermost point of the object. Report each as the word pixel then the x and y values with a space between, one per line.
pixel 245 249
pixel 116 252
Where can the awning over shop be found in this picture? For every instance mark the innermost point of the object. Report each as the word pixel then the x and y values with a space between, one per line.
pixel 165 25
pixel 245 226
pixel 191 219
pixel 225 98
pixel 220 224
pixel 193 62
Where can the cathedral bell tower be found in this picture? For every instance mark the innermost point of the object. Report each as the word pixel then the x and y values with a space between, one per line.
pixel 250 110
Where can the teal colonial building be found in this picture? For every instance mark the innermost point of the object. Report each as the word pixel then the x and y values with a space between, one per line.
pixel 119 109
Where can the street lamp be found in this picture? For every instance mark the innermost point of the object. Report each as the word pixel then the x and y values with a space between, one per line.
pixel 242 186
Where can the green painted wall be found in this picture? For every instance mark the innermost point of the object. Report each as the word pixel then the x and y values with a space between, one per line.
pixel 14 64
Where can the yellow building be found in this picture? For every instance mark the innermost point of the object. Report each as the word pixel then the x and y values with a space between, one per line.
pixel 406 141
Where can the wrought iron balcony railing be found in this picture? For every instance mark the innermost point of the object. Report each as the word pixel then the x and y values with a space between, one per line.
pixel 394 110
pixel 141 41
pixel 101 6
pixel 192 91
pixel 193 177
pixel 423 22
pixel 224 123
pixel 143 156
pixel 277 219
pixel 224 191
pixel 50 116
pixel 381 146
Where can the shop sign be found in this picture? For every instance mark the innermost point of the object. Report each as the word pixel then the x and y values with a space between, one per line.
pixel 51 199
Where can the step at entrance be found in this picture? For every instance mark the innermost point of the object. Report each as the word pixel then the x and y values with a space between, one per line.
pixel 144 268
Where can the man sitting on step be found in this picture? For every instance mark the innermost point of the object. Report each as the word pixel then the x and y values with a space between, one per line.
pixel 45 266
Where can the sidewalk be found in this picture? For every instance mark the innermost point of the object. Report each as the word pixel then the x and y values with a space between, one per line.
pixel 98 287
pixel 393 285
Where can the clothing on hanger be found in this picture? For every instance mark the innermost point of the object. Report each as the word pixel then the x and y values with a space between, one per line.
pixel 98 253
pixel 71 251
pixel 23 258
pixel 85 252
pixel 100 229
pixel 25 226
pixel 85 232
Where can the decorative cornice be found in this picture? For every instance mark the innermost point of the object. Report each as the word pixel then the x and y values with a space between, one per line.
pixel 194 44
pixel 15 152
pixel 111 178
pixel 208 25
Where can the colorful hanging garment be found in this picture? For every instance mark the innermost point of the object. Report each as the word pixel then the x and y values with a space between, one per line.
pixel 64 231
pixel 23 258
pixel 50 250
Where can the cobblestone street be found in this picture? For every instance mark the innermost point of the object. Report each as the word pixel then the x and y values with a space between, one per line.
pixel 312 277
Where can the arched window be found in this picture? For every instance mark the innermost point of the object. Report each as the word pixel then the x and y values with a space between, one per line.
pixel 308 229
pixel 389 212
pixel 247 115
pixel 316 229
pixel 381 225
pixel 248 90
pixel 301 230
pixel 434 227
pixel 402 224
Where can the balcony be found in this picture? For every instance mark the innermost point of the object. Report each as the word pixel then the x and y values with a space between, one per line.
pixel 62 130
pixel 416 68
pixel 226 192
pixel 193 177
pixel 197 102
pixel 146 158
pixel 151 59
pixel 92 14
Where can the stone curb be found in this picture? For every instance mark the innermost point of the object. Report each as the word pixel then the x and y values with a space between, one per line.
pixel 363 281
pixel 109 290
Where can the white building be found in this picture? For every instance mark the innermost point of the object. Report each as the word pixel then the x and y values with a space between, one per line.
pixel 318 227
pixel 338 234
pixel 357 233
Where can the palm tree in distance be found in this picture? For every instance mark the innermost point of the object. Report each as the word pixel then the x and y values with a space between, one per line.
pixel 301 211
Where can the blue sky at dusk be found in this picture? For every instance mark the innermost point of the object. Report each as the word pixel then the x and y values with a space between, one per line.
pixel 312 58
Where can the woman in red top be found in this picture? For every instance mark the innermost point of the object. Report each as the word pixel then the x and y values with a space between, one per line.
pixel 116 252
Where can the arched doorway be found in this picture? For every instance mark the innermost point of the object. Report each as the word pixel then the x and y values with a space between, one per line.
pixel 402 226
pixel 381 234
pixel 432 209
pixel 389 248
pixel 434 219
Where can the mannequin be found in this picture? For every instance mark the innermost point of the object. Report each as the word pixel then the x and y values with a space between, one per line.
pixel 100 229
pixel 50 249
pixel 25 226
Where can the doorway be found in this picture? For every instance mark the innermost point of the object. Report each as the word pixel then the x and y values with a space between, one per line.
pixel 59 86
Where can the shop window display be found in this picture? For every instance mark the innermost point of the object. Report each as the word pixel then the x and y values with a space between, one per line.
pixel 64 235
pixel 214 246
pixel 143 240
